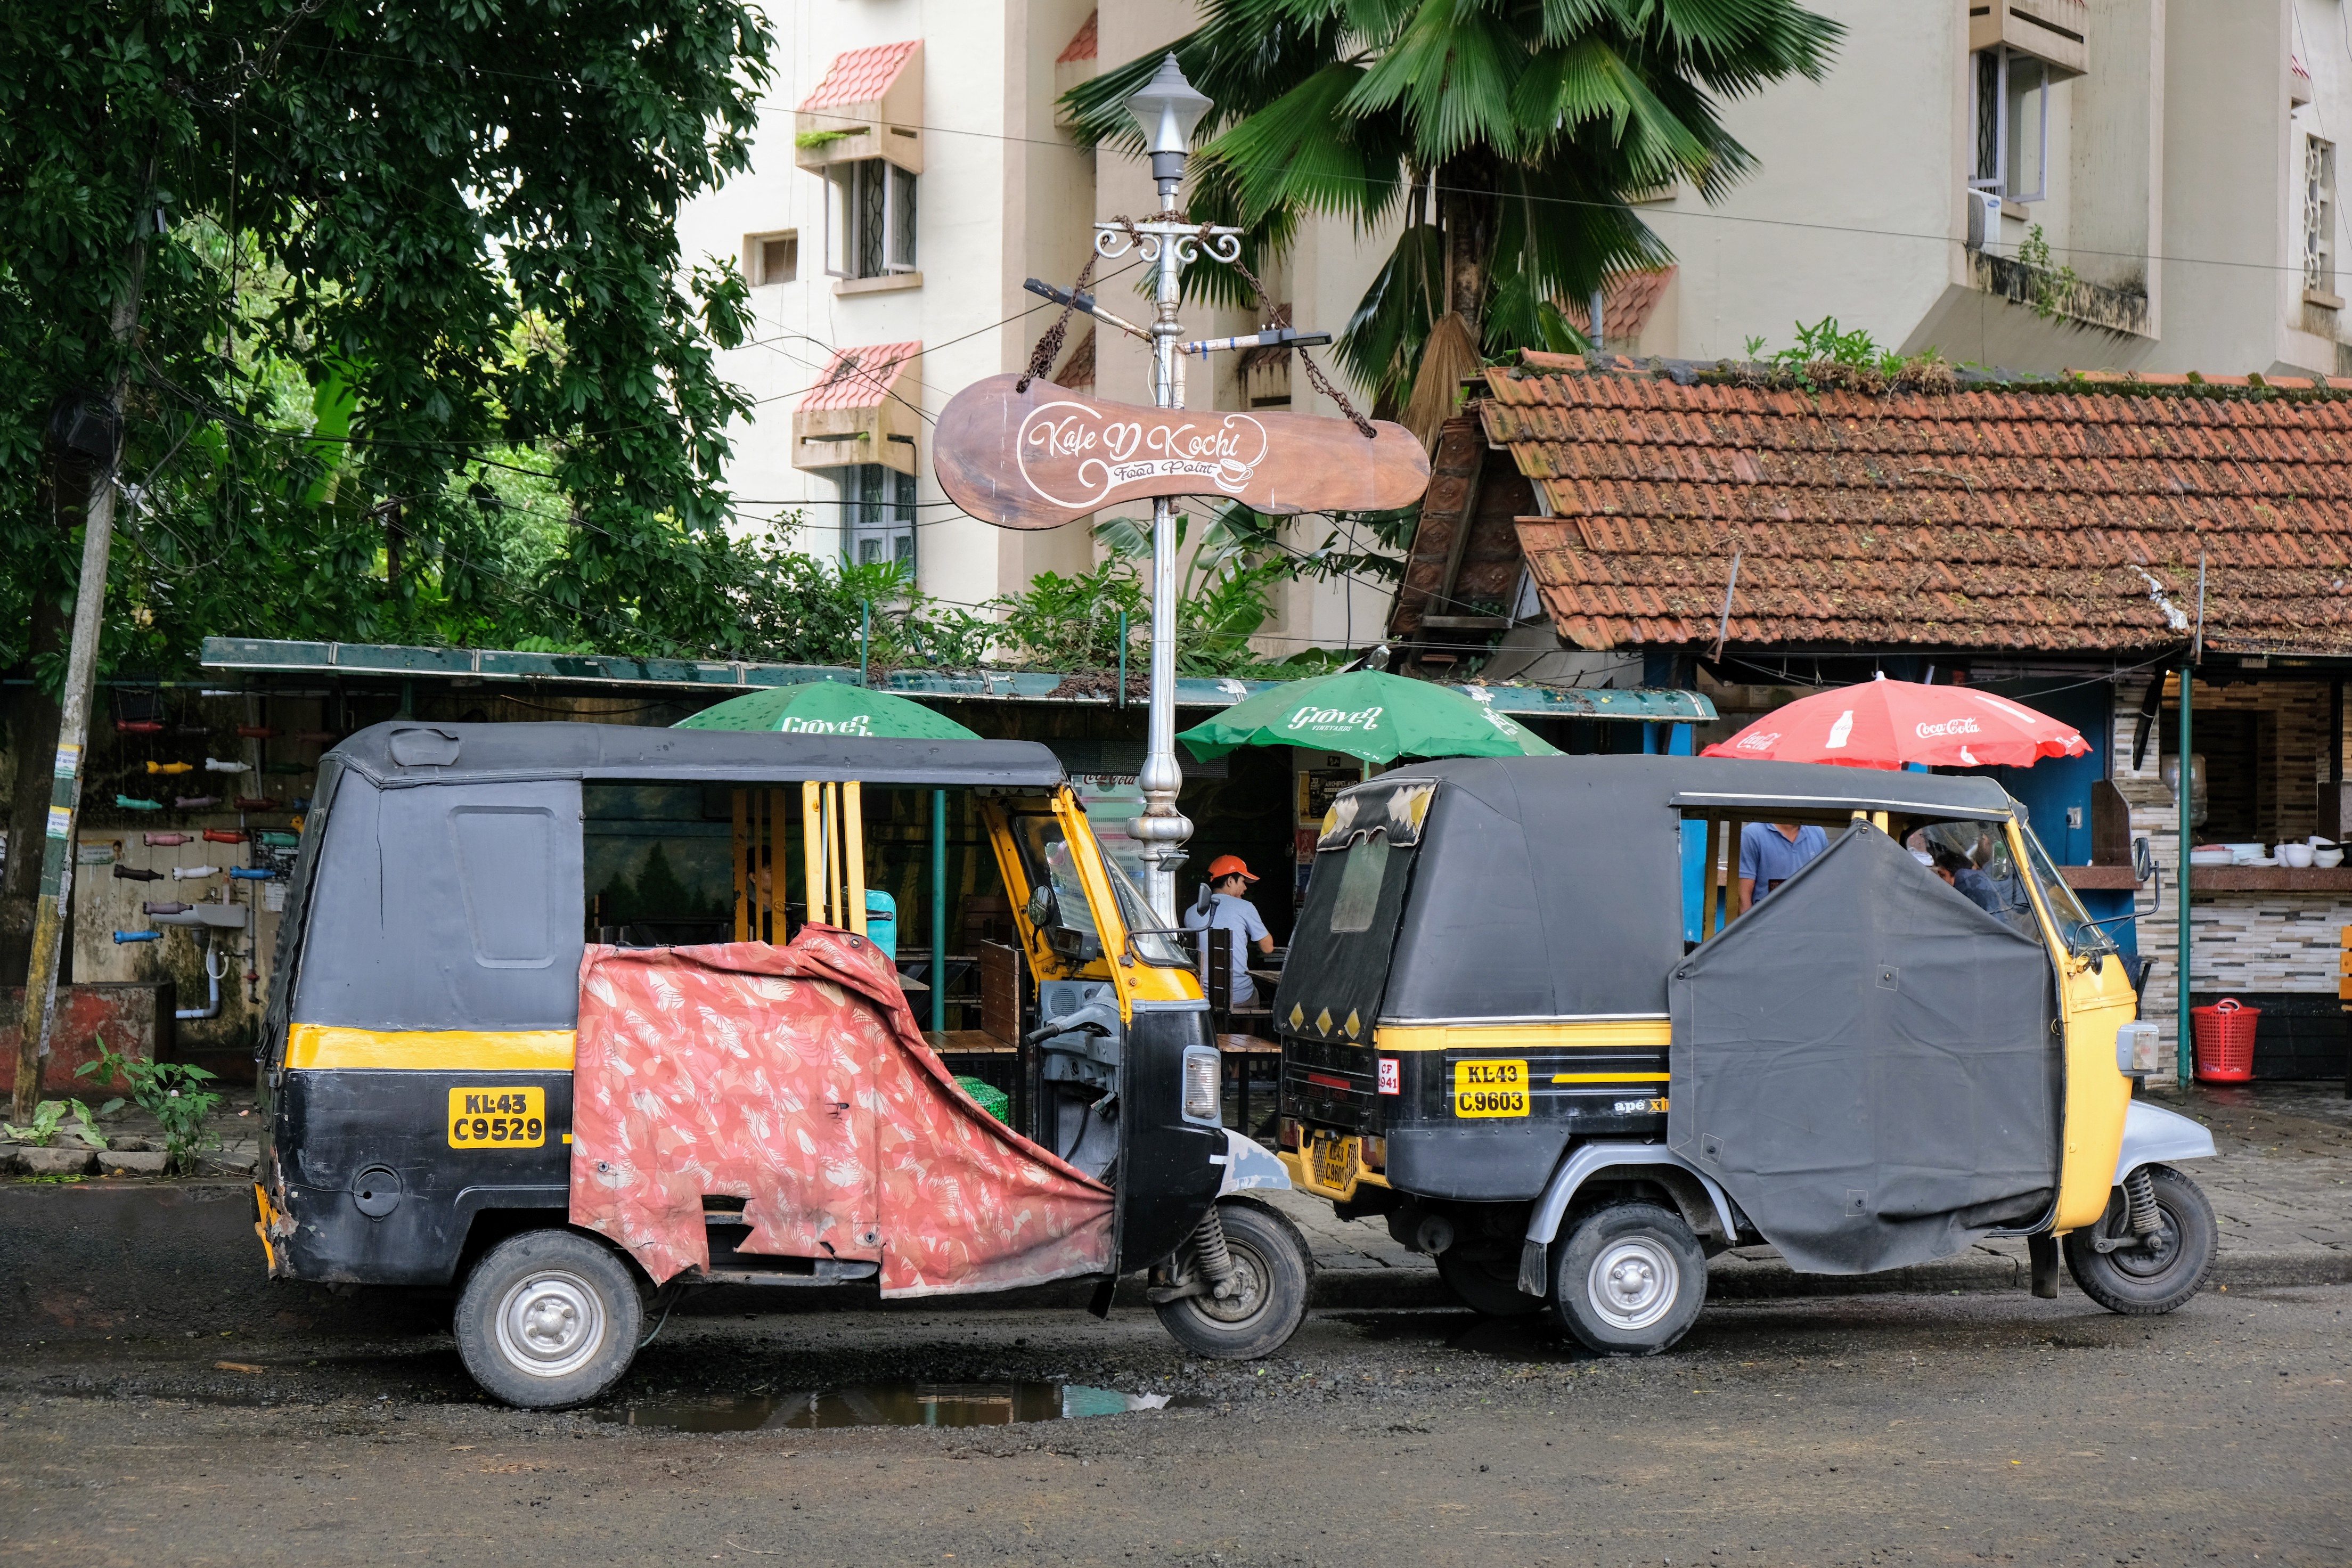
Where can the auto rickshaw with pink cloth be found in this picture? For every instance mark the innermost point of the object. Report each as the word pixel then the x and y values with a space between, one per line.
pixel 574 1018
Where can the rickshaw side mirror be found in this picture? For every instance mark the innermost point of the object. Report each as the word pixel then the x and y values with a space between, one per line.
pixel 2143 859
pixel 1040 907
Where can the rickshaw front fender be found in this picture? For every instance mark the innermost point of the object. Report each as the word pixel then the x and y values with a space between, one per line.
pixel 1586 1161
pixel 1247 1166
pixel 2153 1135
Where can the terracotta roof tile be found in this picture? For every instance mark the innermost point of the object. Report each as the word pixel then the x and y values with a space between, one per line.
pixel 860 377
pixel 860 75
pixel 2018 517
pixel 1082 43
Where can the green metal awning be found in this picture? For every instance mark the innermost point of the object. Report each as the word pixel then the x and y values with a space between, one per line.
pixel 268 655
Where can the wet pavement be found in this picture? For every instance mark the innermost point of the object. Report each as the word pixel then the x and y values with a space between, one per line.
pixel 1883 1429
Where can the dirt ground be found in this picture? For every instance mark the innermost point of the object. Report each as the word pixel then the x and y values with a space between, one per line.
pixel 1859 1430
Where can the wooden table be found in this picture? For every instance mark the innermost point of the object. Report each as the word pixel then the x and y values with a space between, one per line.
pixel 1237 1051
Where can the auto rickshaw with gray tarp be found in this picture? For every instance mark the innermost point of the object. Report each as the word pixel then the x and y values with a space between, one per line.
pixel 418 1051
pixel 1522 1019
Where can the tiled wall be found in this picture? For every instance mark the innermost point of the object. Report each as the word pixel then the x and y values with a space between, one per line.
pixel 2249 942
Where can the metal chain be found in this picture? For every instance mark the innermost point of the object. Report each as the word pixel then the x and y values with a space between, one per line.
pixel 1314 375
pixel 1049 347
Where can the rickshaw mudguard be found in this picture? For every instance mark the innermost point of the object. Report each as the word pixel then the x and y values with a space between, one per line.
pixel 1587 1162
pixel 2155 1136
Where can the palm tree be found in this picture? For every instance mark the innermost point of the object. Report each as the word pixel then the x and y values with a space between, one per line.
pixel 1512 131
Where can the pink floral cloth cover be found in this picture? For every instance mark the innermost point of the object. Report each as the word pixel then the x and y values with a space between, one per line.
pixel 795 1078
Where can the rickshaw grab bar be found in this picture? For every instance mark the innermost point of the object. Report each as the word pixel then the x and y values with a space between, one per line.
pixel 1543 1225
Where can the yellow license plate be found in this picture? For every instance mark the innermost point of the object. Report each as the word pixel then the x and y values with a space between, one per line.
pixel 1334 1162
pixel 498 1118
pixel 1490 1086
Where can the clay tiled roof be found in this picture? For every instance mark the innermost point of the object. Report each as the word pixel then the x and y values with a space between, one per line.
pixel 1627 302
pixel 860 75
pixel 860 378
pixel 1082 44
pixel 2068 516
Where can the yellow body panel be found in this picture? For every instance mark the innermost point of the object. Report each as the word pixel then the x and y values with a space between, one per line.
pixel 2091 1006
pixel 322 1046
pixel 1589 1034
pixel 1304 1179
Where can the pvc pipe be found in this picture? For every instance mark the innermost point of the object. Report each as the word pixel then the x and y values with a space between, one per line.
pixel 122 936
pixel 212 1001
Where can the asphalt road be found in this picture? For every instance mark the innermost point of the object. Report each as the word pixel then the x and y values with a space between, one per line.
pixel 1860 1430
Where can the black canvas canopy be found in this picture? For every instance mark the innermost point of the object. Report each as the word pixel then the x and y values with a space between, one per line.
pixel 1867 1062
pixel 406 752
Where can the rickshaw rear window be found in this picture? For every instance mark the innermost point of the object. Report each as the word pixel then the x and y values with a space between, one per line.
pixel 1365 866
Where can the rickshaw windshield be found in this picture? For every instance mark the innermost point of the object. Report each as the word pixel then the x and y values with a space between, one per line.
pixel 2066 911
pixel 1049 861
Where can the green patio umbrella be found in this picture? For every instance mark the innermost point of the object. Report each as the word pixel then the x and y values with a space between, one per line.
pixel 1369 714
pixel 837 708
pixel 829 708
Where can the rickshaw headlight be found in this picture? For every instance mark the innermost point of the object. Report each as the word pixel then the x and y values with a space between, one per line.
pixel 1200 1085
pixel 2136 1048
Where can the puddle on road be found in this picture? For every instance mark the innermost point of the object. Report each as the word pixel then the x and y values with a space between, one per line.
pixel 888 1405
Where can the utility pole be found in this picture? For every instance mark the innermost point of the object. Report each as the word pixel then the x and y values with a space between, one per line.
pixel 81 669
pixel 1167 107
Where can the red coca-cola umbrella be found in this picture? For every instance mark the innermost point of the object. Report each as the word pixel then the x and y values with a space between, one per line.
pixel 1886 723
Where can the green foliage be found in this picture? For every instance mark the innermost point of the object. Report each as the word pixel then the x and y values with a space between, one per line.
pixel 2051 285
pixel 48 1119
pixel 811 140
pixel 172 1092
pixel 1073 622
pixel 417 355
pixel 1526 124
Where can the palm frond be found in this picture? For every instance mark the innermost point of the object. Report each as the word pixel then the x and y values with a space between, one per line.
pixel 1451 71
pixel 1383 342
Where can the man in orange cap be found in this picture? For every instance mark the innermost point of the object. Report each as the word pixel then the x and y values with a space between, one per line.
pixel 1224 905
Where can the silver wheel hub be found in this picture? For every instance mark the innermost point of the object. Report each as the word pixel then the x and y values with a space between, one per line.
pixel 550 1323
pixel 1633 1283
pixel 1248 1287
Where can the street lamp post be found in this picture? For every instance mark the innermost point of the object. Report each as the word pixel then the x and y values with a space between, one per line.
pixel 1167 107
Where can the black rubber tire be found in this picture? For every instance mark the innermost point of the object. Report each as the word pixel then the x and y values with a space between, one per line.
pixel 549 1319
pixel 1488 1286
pixel 1276 1269
pixel 1664 1270
pixel 2127 1281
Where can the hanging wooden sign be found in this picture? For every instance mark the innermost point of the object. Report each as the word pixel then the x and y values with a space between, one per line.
pixel 1048 456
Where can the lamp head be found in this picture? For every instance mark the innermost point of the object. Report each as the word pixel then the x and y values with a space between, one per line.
pixel 1167 108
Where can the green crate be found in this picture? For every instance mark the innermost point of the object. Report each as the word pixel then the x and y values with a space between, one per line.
pixel 988 1097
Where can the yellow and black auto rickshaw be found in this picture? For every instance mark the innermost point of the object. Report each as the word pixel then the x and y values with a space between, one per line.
pixel 1524 1018
pixel 418 1046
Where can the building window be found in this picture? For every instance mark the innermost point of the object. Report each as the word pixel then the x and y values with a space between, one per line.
pixel 2012 125
pixel 772 257
pixel 2318 218
pixel 878 516
pixel 869 219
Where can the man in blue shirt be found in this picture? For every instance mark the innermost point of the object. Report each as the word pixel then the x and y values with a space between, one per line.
pixel 1961 875
pixel 1772 852
pixel 1228 907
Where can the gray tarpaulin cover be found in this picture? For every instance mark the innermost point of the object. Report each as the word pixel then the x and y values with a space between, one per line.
pixel 1865 1062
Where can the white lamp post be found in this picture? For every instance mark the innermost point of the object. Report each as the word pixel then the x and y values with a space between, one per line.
pixel 1167 108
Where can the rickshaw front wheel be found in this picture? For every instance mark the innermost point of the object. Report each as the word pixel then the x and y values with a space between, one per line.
pixel 549 1319
pixel 1630 1280
pixel 1270 1263
pixel 2143 1278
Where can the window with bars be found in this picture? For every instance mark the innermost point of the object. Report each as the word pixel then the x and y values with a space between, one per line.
pixel 2010 108
pixel 2318 218
pixel 869 219
pixel 878 516
pixel 772 257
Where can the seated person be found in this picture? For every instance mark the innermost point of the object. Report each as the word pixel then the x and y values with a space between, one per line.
pixel 1963 877
pixel 1226 907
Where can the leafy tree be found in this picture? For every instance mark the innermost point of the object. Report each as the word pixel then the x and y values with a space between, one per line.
pixel 1510 132
pixel 392 294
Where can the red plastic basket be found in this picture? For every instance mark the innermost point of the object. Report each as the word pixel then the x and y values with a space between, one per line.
pixel 2225 1040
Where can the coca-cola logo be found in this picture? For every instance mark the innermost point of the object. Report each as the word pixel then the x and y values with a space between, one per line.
pixel 1761 742
pixel 1961 726
pixel 1067 442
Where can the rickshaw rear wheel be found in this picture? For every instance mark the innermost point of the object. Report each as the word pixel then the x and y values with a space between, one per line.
pixel 549 1319
pixel 1630 1280
pixel 1488 1284
pixel 1271 1261
pixel 2146 1281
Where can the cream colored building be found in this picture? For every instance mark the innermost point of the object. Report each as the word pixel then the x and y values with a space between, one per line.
pixel 2180 155
pixel 910 177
